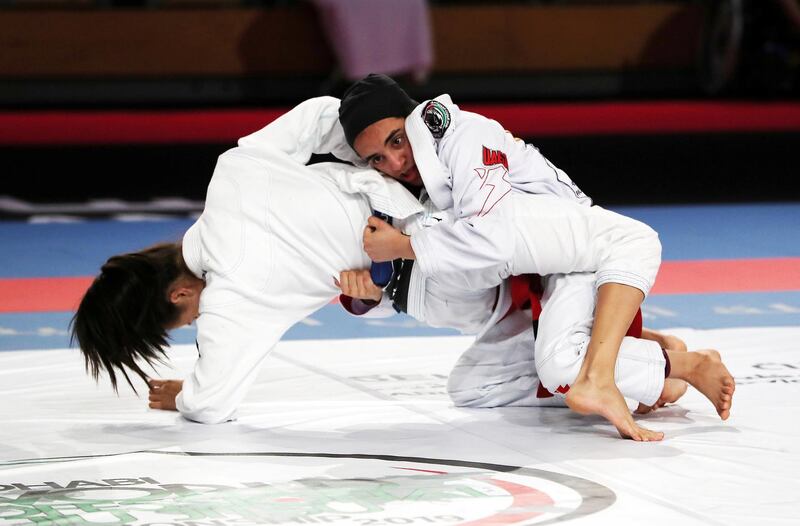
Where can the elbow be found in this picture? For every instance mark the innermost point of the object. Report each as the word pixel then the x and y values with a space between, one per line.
pixel 637 263
pixel 643 241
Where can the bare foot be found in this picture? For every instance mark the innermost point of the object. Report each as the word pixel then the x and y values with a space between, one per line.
pixel 587 398
pixel 712 378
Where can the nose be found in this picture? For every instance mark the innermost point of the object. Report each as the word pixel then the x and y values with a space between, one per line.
pixel 396 163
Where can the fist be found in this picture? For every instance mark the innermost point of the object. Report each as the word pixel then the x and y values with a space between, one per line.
pixel 358 284
pixel 383 242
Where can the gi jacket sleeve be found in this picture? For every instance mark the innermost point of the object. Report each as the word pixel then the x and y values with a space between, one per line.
pixel 232 342
pixel 239 321
pixel 559 236
pixel 480 237
pixel 311 127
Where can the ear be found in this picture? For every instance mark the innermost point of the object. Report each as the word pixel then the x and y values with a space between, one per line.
pixel 182 290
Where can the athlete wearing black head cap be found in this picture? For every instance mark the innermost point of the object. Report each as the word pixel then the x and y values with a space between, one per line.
pixel 372 114
pixel 369 100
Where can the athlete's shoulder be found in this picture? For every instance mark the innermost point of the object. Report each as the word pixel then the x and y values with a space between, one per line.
pixel 468 135
pixel 436 116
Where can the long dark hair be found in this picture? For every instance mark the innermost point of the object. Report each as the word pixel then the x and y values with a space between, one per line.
pixel 122 317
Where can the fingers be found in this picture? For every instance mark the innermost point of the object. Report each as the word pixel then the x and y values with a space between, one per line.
pixel 163 393
pixel 377 223
pixel 155 400
pixel 358 284
pixel 164 385
pixel 345 283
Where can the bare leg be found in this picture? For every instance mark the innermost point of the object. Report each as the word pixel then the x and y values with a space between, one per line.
pixel 705 371
pixel 594 390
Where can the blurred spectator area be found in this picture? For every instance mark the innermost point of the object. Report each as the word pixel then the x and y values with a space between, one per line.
pixel 137 98
pixel 127 52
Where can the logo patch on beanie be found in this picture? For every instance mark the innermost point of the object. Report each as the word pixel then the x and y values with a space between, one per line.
pixel 436 118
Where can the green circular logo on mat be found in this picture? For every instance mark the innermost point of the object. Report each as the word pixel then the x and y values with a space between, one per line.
pixel 221 489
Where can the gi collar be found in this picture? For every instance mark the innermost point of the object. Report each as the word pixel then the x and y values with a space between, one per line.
pixel 429 123
pixel 383 193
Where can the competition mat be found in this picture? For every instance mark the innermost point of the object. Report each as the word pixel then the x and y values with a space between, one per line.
pixel 349 422
pixel 361 432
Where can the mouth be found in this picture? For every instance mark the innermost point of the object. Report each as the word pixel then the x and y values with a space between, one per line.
pixel 411 175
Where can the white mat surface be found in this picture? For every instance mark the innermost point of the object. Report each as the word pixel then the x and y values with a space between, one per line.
pixel 360 432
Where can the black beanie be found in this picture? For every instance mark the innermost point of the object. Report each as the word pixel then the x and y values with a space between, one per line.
pixel 369 100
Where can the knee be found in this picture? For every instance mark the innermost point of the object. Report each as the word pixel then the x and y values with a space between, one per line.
pixel 466 393
pixel 560 370
pixel 511 392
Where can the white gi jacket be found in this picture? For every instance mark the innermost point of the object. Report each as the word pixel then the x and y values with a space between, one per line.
pixel 269 242
pixel 471 164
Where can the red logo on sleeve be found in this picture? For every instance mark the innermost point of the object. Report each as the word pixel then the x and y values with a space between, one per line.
pixel 492 157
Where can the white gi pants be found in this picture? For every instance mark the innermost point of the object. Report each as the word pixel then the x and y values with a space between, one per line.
pixel 498 369
pixel 565 328
pixel 502 368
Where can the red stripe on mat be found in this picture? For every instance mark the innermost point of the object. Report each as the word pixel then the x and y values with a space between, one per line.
pixel 675 277
pixel 525 120
pixel 42 294
pixel 720 275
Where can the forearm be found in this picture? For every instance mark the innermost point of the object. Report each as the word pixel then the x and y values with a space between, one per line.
pixel 616 307
pixel 464 246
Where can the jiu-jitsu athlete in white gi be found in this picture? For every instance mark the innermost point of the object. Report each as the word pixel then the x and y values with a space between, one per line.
pixel 292 135
pixel 471 165
pixel 261 257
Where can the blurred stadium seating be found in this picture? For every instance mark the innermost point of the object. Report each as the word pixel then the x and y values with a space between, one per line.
pixel 136 55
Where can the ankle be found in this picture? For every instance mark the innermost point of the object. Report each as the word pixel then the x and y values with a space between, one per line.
pixel 596 379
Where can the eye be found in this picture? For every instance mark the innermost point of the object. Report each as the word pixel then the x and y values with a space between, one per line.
pixel 398 140
pixel 376 160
